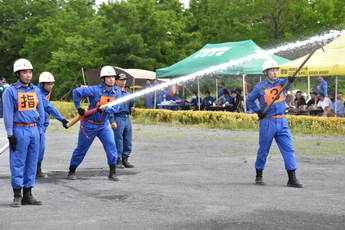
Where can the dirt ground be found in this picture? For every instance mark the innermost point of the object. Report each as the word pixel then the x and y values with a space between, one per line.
pixel 184 178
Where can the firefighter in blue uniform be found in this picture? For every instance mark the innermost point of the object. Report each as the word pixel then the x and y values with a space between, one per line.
pixel 273 124
pixel 122 125
pixel 46 83
pixel 3 86
pixel 23 118
pixel 96 124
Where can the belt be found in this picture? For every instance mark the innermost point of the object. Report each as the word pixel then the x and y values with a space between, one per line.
pixel 94 122
pixel 121 115
pixel 26 125
pixel 276 116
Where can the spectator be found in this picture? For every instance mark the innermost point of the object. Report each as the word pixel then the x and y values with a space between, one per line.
pixel 160 95
pixel 321 86
pixel 127 88
pixel 324 103
pixel 337 107
pixel 228 98
pixel 208 100
pixel 237 100
pixel 183 103
pixel 290 98
pixel 313 100
pixel 299 100
pixel 221 88
pixel 148 96
pixel 195 99
pixel 221 101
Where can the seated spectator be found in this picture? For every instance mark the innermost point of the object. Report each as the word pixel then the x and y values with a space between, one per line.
pixel 299 100
pixel 195 99
pixel 207 101
pixel 228 98
pixel 313 100
pixel 290 98
pixel 182 103
pixel 324 103
pixel 237 100
pixel 337 107
pixel 221 101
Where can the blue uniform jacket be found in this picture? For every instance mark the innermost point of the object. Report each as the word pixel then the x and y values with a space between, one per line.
pixel 220 91
pixel 49 108
pixel 125 107
pixel 208 101
pixel 258 92
pixel 11 114
pixel 322 87
pixel 94 93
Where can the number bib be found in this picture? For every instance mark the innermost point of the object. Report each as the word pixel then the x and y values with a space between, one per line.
pixel 104 100
pixel 270 94
pixel 27 101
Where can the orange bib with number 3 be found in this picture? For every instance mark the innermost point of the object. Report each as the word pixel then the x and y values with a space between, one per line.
pixel 104 100
pixel 271 93
pixel 27 101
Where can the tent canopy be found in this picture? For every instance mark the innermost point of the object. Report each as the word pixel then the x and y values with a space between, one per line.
pixel 212 55
pixel 322 63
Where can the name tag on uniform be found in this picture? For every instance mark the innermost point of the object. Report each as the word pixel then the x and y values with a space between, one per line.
pixel 271 93
pixel 27 101
pixel 104 100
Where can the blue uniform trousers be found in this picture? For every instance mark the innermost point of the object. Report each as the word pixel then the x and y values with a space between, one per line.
pixel 278 129
pixel 1 108
pixel 148 102
pixel 103 133
pixel 23 161
pixel 123 135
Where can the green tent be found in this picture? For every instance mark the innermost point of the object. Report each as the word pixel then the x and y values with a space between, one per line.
pixel 222 55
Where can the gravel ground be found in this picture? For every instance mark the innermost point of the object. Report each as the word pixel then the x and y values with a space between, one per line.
pixel 184 178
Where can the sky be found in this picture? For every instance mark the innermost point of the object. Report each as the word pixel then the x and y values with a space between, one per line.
pixel 185 2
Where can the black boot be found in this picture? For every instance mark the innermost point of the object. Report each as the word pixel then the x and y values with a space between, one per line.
pixel 28 198
pixel 39 173
pixel 258 179
pixel 71 173
pixel 126 163
pixel 17 201
pixel 119 164
pixel 112 173
pixel 293 182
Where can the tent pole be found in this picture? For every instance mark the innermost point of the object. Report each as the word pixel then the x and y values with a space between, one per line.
pixel 309 85
pixel 336 95
pixel 216 89
pixel 154 100
pixel 199 94
pixel 82 71
pixel 244 93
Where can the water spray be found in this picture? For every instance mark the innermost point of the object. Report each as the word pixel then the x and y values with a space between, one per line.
pixel 314 39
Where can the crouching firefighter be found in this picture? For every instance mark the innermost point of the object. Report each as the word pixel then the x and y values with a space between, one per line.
pixel 273 124
pixel 23 118
pixel 97 124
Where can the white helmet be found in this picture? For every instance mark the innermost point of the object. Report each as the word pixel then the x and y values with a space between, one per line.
pixel 46 77
pixel 107 71
pixel 22 64
pixel 269 64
